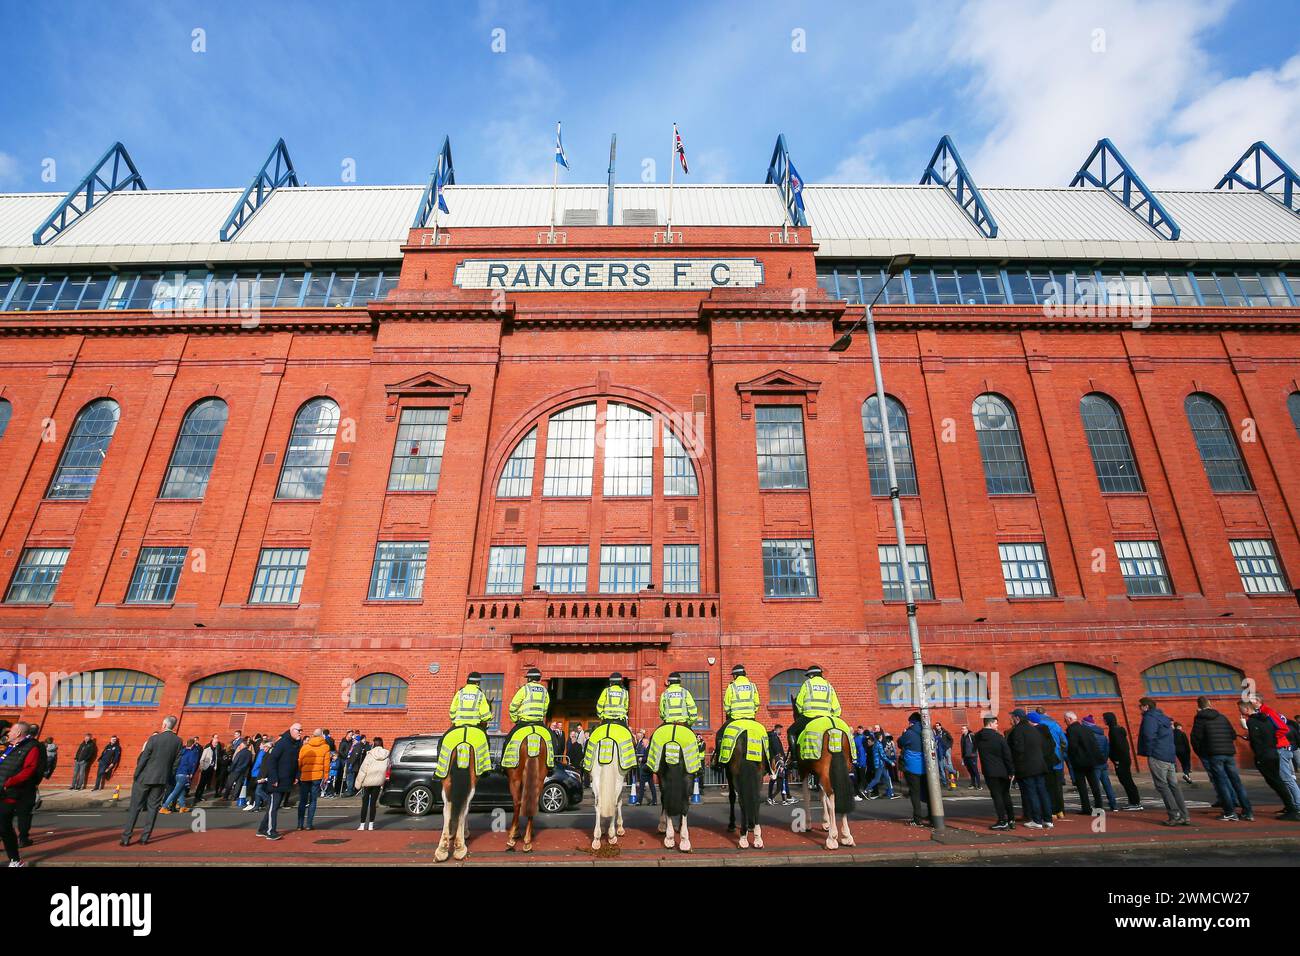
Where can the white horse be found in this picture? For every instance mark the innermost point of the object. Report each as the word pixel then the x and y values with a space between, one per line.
pixel 607 786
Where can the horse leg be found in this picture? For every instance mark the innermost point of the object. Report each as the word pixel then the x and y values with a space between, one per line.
pixel 670 839
pixel 444 838
pixel 828 813
pixel 462 848
pixel 516 795
pixel 684 844
pixel 758 837
pixel 663 811
pixel 618 814
pixel 731 801
pixel 846 837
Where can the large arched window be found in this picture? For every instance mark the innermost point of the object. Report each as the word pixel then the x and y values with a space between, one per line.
pixel 517 476
pixel 108 688
pixel 1286 676
pixel 782 688
pixel 311 443
pixel 6 413
pixel 900 438
pixel 1216 443
pixel 84 451
pixel 378 690
pixel 1005 471
pixel 570 452
pixel 1112 453
pixel 239 689
pixel 679 470
pixel 1085 681
pixel 1036 683
pixel 1190 678
pixel 943 686
pixel 196 450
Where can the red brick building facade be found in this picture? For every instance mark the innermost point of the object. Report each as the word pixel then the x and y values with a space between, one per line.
pixel 702 363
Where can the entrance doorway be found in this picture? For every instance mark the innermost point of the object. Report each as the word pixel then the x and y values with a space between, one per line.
pixel 573 701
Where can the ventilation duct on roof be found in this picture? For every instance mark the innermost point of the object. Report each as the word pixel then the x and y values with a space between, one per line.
pixel 640 217
pixel 582 217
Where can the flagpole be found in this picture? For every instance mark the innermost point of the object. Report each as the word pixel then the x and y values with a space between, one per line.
pixel 672 168
pixel 785 228
pixel 555 184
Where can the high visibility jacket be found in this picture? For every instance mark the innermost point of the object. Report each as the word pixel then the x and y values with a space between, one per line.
pixel 741 699
pixel 817 698
pixel 530 703
pixel 612 703
pixel 677 706
pixel 469 707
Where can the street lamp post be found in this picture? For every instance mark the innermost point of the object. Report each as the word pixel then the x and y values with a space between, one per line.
pixel 896 265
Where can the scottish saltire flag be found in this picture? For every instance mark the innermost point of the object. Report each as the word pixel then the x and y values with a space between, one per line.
pixel 679 149
pixel 796 186
pixel 560 158
pixel 439 182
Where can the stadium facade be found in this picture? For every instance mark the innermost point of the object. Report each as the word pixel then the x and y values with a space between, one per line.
pixel 280 452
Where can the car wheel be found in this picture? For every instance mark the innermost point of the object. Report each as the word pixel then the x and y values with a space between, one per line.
pixel 554 798
pixel 419 801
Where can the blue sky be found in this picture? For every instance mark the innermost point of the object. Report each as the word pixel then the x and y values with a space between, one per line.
pixel 1181 86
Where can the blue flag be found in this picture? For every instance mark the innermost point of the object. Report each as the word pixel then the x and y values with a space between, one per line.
pixel 437 189
pixel 559 149
pixel 796 186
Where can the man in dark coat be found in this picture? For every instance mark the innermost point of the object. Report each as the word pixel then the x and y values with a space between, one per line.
pixel 1215 741
pixel 87 750
pixel 108 761
pixel 970 757
pixel 155 773
pixel 996 761
pixel 1084 754
pixel 20 774
pixel 280 771
pixel 1183 751
pixel 1029 763
pixel 1121 754
pixel 1265 735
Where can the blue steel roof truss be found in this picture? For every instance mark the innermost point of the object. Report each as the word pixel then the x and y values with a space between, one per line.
pixel 959 185
pixel 1107 169
pixel 277 171
pixel 444 170
pixel 100 182
pixel 778 172
pixel 1279 182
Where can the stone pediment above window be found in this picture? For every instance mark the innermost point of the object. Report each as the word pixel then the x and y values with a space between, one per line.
pixel 778 384
pixel 427 386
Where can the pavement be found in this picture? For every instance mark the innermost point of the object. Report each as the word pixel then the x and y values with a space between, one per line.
pixel 82 828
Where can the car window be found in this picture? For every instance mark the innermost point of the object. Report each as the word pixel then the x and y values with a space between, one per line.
pixel 424 750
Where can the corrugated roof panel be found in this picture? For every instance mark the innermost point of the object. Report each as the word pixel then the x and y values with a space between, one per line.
pixel 1239 216
pixel 325 214
pixel 873 212
pixel 148 217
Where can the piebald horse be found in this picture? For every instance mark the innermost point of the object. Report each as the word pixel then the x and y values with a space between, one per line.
pixel 833 777
pixel 607 787
pixel 743 780
pixel 526 779
pixel 675 785
pixel 457 795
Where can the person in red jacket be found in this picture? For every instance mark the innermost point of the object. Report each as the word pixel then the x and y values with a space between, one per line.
pixel 20 773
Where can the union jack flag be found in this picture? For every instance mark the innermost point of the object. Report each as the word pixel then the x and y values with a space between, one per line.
pixel 679 149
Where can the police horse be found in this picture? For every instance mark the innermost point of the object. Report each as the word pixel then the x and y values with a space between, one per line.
pixel 526 779
pixel 608 756
pixel 675 758
pixel 461 759
pixel 831 769
pixel 744 779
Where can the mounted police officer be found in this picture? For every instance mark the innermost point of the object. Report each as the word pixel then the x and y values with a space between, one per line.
pixel 531 701
pixel 469 705
pixel 676 705
pixel 816 698
pixel 740 702
pixel 613 701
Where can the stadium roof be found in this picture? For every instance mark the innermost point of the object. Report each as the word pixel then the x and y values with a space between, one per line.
pixel 367 223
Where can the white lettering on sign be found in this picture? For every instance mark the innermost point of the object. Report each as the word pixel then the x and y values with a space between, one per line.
pixel 605 275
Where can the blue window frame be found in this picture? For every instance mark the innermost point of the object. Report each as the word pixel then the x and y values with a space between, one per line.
pixel 783 688
pixel 1036 683
pixel 236 690
pixel 108 688
pixel 493 687
pixel 1085 681
pixel 157 573
pixel 84 452
pixel 697 684
pixel 378 691
pixel 1190 678
pixel 1286 676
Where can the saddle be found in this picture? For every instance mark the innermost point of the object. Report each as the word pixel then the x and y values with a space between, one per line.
pixel 756 744
pixel 673 744
pixel 810 740
pixel 607 742
pixel 527 739
pixel 462 744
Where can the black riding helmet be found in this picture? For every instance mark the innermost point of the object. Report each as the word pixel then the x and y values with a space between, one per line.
pixel 616 678
pixel 674 678
pixel 474 677
pixel 738 670
pixel 813 671
pixel 533 674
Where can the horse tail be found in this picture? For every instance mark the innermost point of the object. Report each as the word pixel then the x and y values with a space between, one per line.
pixel 840 775
pixel 745 782
pixel 602 776
pixel 460 785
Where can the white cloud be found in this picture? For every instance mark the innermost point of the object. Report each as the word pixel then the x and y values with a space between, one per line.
pixel 867 161
pixel 8 170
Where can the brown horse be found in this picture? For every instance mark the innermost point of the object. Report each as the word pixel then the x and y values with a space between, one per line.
pixel 833 777
pixel 526 779
pixel 457 795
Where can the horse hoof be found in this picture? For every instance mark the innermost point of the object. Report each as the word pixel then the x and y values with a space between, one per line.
pixel 595 844
pixel 528 848
pixel 831 843
pixel 663 827
pixel 825 825
pixel 461 853
pixel 510 846
pixel 440 855
pixel 846 841
pixel 613 841
pixel 620 831
pixel 685 846
pixel 758 843
pixel 669 842
pixel 744 843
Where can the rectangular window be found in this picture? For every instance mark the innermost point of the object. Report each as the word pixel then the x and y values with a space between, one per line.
pixel 679 473
pixel 624 568
pixel 505 569
pixel 1143 566
pixel 417 456
pixel 398 572
pixel 789 568
pixel 570 450
pixel 1258 566
pixel 37 575
pixel 629 451
pixel 1025 570
pixel 278 579
pixel 782 462
pixel 493 686
pixel 562 569
pixel 157 572
pixel 681 568
pixel 696 684
pixel 891 572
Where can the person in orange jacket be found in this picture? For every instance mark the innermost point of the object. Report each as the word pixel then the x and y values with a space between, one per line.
pixel 313 767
